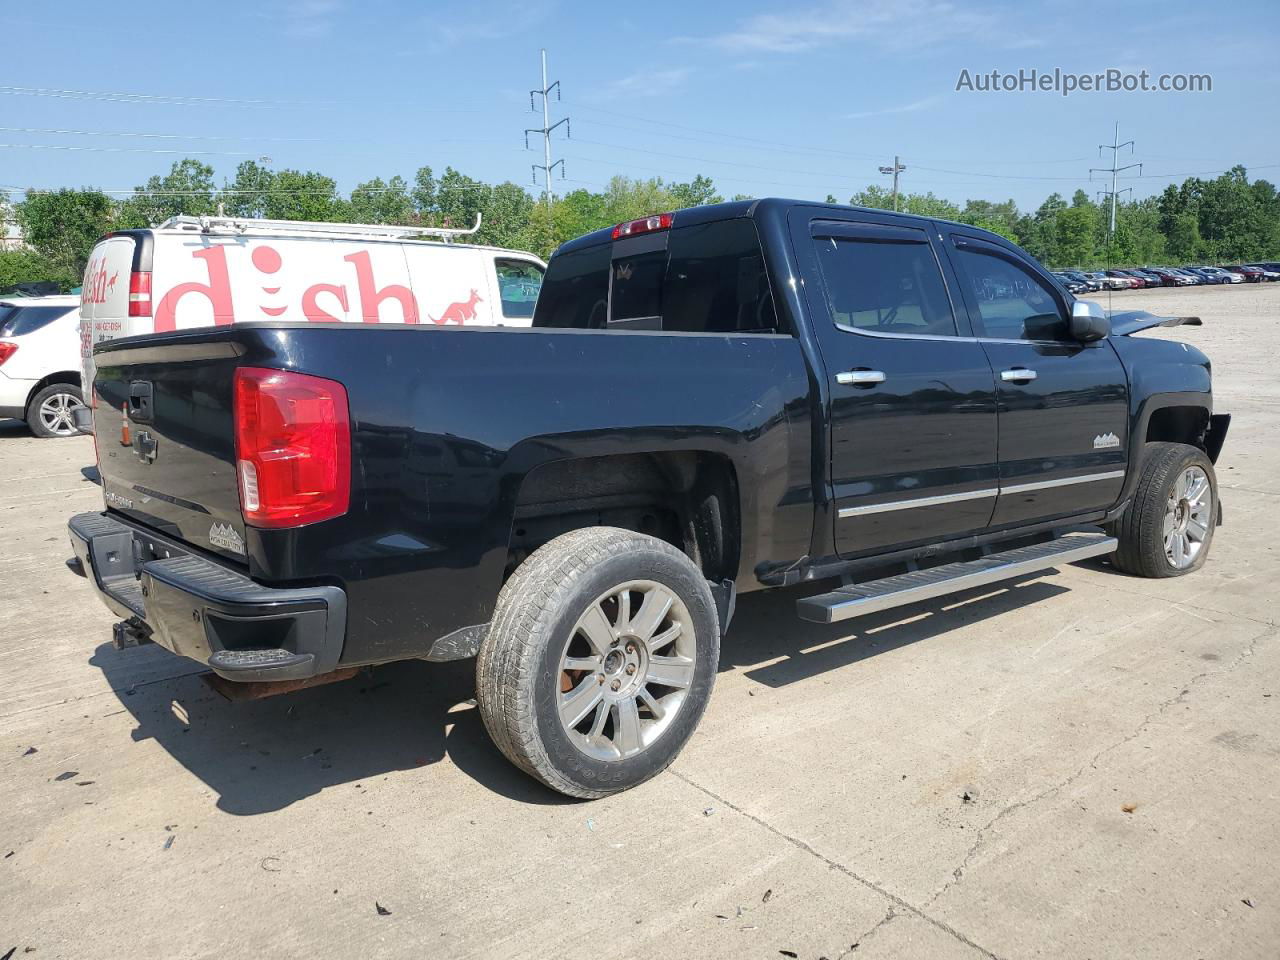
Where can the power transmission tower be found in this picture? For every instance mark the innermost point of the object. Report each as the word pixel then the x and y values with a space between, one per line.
pixel 1114 169
pixel 547 126
pixel 896 169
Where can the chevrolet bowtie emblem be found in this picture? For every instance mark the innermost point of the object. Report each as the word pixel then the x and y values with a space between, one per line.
pixel 144 445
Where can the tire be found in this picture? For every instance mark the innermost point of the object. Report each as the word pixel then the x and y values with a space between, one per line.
pixel 1161 512
pixel 547 635
pixel 49 412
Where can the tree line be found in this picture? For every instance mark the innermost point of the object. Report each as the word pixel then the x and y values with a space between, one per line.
pixel 1226 219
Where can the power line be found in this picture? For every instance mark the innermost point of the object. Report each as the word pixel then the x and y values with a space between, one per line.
pixel 124 97
pixel 57 131
pixel 547 127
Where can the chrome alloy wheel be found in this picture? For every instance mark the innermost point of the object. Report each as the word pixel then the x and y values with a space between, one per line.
pixel 56 413
pixel 1187 517
pixel 625 670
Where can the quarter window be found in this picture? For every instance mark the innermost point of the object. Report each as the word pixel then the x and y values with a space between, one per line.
pixel 885 286
pixel 1013 304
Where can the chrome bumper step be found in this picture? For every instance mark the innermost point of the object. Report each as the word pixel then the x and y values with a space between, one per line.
pixel 863 598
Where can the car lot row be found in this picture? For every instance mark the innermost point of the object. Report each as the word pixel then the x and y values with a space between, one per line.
pixel 1081 281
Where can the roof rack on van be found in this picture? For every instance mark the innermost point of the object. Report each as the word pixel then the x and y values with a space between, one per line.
pixel 255 225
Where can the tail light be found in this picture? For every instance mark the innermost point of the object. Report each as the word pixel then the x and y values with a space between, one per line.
pixel 293 447
pixel 140 294
pixel 7 350
pixel 659 221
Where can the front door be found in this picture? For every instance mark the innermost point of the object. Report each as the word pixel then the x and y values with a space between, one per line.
pixel 912 410
pixel 1063 404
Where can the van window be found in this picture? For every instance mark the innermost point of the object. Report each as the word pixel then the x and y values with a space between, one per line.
pixel 518 284
pixel 18 321
pixel 710 278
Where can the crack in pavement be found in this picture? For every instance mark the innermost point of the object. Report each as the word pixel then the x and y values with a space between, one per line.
pixel 984 831
pixel 862 940
pixel 893 898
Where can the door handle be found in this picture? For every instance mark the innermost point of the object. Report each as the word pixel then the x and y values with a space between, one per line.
pixel 1018 375
pixel 860 378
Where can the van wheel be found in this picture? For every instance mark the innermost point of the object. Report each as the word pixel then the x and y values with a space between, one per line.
pixel 1167 530
pixel 599 660
pixel 49 414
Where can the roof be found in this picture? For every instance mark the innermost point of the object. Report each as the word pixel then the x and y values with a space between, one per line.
pixel 751 208
pixel 59 300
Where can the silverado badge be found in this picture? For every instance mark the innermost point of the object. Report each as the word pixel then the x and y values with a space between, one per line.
pixel 224 535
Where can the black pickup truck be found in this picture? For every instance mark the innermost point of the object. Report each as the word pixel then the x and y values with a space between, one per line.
pixel 728 398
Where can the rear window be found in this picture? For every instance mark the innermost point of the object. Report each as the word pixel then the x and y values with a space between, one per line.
pixel 706 278
pixel 518 283
pixel 18 321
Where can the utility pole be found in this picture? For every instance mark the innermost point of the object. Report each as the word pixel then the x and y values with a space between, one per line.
pixel 896 169
pixel 547 126
pixel 1115 147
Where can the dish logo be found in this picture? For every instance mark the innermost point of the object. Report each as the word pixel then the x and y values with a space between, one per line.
pixel 97 285
pixel 363 296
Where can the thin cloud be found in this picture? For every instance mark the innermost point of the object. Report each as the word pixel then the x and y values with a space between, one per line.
pixel 912 107
pixel 895 23
pixel 642 84
pixel 309 19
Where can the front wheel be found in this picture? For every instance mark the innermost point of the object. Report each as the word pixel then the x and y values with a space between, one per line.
pixel 599 660
pixel 1167 530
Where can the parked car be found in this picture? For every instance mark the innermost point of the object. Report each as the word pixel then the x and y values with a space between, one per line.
pixel 1069 284
pixel 1191 275
pixel 1125 279
pixel 1211 275
pixel 1090 284
pixel 40 363
pixel 579 504
pixel 1270 271
pixel 1226 276
pixel 1170 278
pixel 210 271
pixel 1108 282
pixel 1250 274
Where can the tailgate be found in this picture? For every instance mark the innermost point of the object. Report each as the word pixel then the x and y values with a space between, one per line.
pixel 166 439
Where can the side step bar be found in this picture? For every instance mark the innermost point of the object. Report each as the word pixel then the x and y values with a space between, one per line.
pixel 875 595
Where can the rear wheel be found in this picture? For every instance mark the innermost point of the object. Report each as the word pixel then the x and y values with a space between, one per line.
pixel 599 660
pixel 50 412
pixel 1167 530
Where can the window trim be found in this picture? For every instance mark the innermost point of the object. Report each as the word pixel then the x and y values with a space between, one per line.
pixel 498 261
pixel 850 230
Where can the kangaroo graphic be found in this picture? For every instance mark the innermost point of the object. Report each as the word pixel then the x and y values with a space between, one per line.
pixel 459 312
pixel 111 284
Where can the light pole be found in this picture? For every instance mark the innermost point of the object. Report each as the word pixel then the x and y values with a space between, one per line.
pixel 896 169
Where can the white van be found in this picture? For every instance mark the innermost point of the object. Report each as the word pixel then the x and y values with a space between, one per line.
pixel 208 271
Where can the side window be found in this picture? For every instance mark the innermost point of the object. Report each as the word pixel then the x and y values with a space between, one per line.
pixel 575 290
pixel 885 286
pixel 716 281
pixel 1013 304
pixel 518 285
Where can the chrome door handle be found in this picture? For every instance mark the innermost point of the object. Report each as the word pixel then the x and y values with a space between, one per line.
pixel 860 378
pixel 1018 375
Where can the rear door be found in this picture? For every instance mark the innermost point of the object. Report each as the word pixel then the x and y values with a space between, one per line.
pixel 1063 404
pixel 104 297
pixel 913 416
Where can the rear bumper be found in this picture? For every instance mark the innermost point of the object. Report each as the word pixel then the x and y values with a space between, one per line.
pixel 205 610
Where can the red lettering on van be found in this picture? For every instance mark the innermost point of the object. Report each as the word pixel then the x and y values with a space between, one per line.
pixel 313 312
pixel 371 297
pixel 217 291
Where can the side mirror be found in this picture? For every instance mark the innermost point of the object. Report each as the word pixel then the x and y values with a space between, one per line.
pixel 1088 321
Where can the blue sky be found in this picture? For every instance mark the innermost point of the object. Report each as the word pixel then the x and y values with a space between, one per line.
pixel 799 99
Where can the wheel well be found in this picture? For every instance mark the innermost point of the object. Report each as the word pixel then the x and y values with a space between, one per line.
pixel 63 376
pixel 1179 425
pixel 688 498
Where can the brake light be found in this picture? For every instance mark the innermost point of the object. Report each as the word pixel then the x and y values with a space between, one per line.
pixel 659 221
pixel 140 294
pixel 7 350
pixel 293 447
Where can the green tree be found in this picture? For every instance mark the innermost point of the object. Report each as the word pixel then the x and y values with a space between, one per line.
pixel 63 225
pixel 246 195
pixel 1075 228
pixel 295 195
pixel 187 189
pixel 28 266
pixel 378 202
pixel 700 190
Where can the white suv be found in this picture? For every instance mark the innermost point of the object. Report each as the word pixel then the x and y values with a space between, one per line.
pixel 40 362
